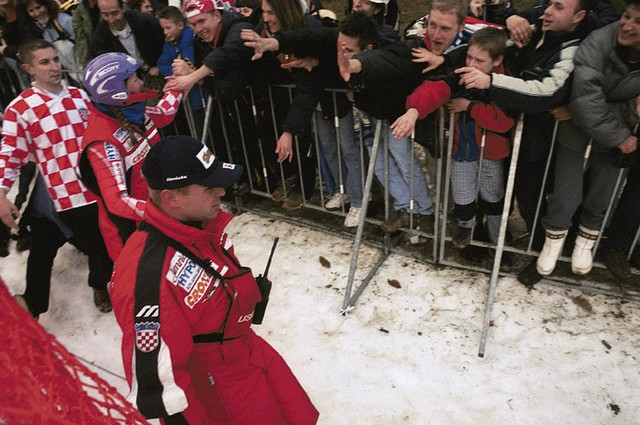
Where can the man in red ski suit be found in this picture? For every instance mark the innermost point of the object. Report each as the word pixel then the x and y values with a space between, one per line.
pixel 185 305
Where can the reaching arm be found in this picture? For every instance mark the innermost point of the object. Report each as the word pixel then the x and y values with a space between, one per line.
pixel 537 95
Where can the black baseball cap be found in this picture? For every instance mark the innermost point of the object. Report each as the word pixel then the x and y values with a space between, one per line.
pixel 179 161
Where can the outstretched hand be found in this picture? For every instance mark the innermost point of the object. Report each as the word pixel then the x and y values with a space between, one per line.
pixel 343 62
pixel 181 83
pixel 520 30
pixel 307 63
pixel 473 78
pixel 180 67
pixel 422 55
pixel 259 45
pixel 405 124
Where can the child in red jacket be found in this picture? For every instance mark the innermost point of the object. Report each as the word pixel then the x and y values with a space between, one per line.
pixel 120 132
pixel 480 132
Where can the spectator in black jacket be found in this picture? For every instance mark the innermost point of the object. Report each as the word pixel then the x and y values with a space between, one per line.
pixel 134 33
pixel 223 63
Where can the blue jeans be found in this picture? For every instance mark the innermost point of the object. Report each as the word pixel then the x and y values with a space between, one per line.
pixel 400 176
pixel 350 150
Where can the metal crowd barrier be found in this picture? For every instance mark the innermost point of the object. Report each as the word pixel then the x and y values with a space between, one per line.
pixel 246 130
pixel 433 248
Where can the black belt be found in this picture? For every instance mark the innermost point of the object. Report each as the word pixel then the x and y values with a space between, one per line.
pixel 213 337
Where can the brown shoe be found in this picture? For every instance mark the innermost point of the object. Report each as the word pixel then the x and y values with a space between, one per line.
pixel 397 221
pixel 101 300
pixel 278 195
pixel 293 202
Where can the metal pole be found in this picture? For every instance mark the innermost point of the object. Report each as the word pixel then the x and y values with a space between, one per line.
pixel 544 183
pixel 348 302
pixel 501 237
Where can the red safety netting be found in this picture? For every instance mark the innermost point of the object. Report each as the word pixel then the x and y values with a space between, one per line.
pixel 42 383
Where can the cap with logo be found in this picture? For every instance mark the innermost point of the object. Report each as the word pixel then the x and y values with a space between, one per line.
pixel 179 161
pixel 196 7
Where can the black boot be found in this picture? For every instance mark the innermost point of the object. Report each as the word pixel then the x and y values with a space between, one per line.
pixel 529 276
pixel 101 300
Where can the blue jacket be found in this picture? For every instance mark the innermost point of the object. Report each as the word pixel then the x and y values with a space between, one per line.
pixel 183 47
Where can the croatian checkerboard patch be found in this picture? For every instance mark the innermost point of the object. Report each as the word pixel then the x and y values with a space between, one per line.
pixel 147 336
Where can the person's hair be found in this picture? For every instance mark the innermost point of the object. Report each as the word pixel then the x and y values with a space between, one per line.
pixel 360 26
pixel 586 5
pixel 289 13
pixel 52 6
pixel 127 125
pixel 136 4
pixel 456 7
pixel 121 4
pixel 171 13
pixel 156 194
pixel 493 40
pixel 253 4
pixel 631 3
pixel 27 47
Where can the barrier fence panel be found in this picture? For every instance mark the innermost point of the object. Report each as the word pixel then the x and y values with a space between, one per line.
pixel 247 130
pixel 315 196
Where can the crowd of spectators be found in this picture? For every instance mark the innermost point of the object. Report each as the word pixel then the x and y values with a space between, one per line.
pixel 217 48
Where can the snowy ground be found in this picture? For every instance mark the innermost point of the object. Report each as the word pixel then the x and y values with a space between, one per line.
pixel 405 355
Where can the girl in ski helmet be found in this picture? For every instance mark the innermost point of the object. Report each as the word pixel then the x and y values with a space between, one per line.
pixel 120 132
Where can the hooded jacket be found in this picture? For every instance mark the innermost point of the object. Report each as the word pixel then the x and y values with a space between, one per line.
pixel 604 93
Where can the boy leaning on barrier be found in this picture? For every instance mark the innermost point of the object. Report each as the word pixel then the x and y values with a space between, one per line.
pixel 537 79
pixel 480 134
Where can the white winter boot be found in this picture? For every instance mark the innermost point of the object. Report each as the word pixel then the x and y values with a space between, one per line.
pixel 582 257
pixel 553 243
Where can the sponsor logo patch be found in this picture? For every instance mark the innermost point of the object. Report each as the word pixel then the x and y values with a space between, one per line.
pixel 200 290
pixel 84 113
pixel 206 157
pixel 183 272
pixel 147 336
pixel 112 152
pixel 121 135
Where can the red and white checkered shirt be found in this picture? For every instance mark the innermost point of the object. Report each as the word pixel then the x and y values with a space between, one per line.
pixel 47 128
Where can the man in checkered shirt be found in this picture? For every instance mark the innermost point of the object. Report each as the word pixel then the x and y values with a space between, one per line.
pixel 45 124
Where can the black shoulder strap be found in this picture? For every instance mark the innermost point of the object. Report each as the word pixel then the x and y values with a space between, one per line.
pixel 166 240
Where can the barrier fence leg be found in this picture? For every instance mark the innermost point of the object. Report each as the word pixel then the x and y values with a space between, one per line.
pixel 207 123
pixel 447 185
pixel 493 280
pixel 349 301
pixel 547 166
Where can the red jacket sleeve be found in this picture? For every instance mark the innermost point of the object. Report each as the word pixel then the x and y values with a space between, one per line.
pixel 489 116
pixel 428 97
pixel 109 169
pixel 165 111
